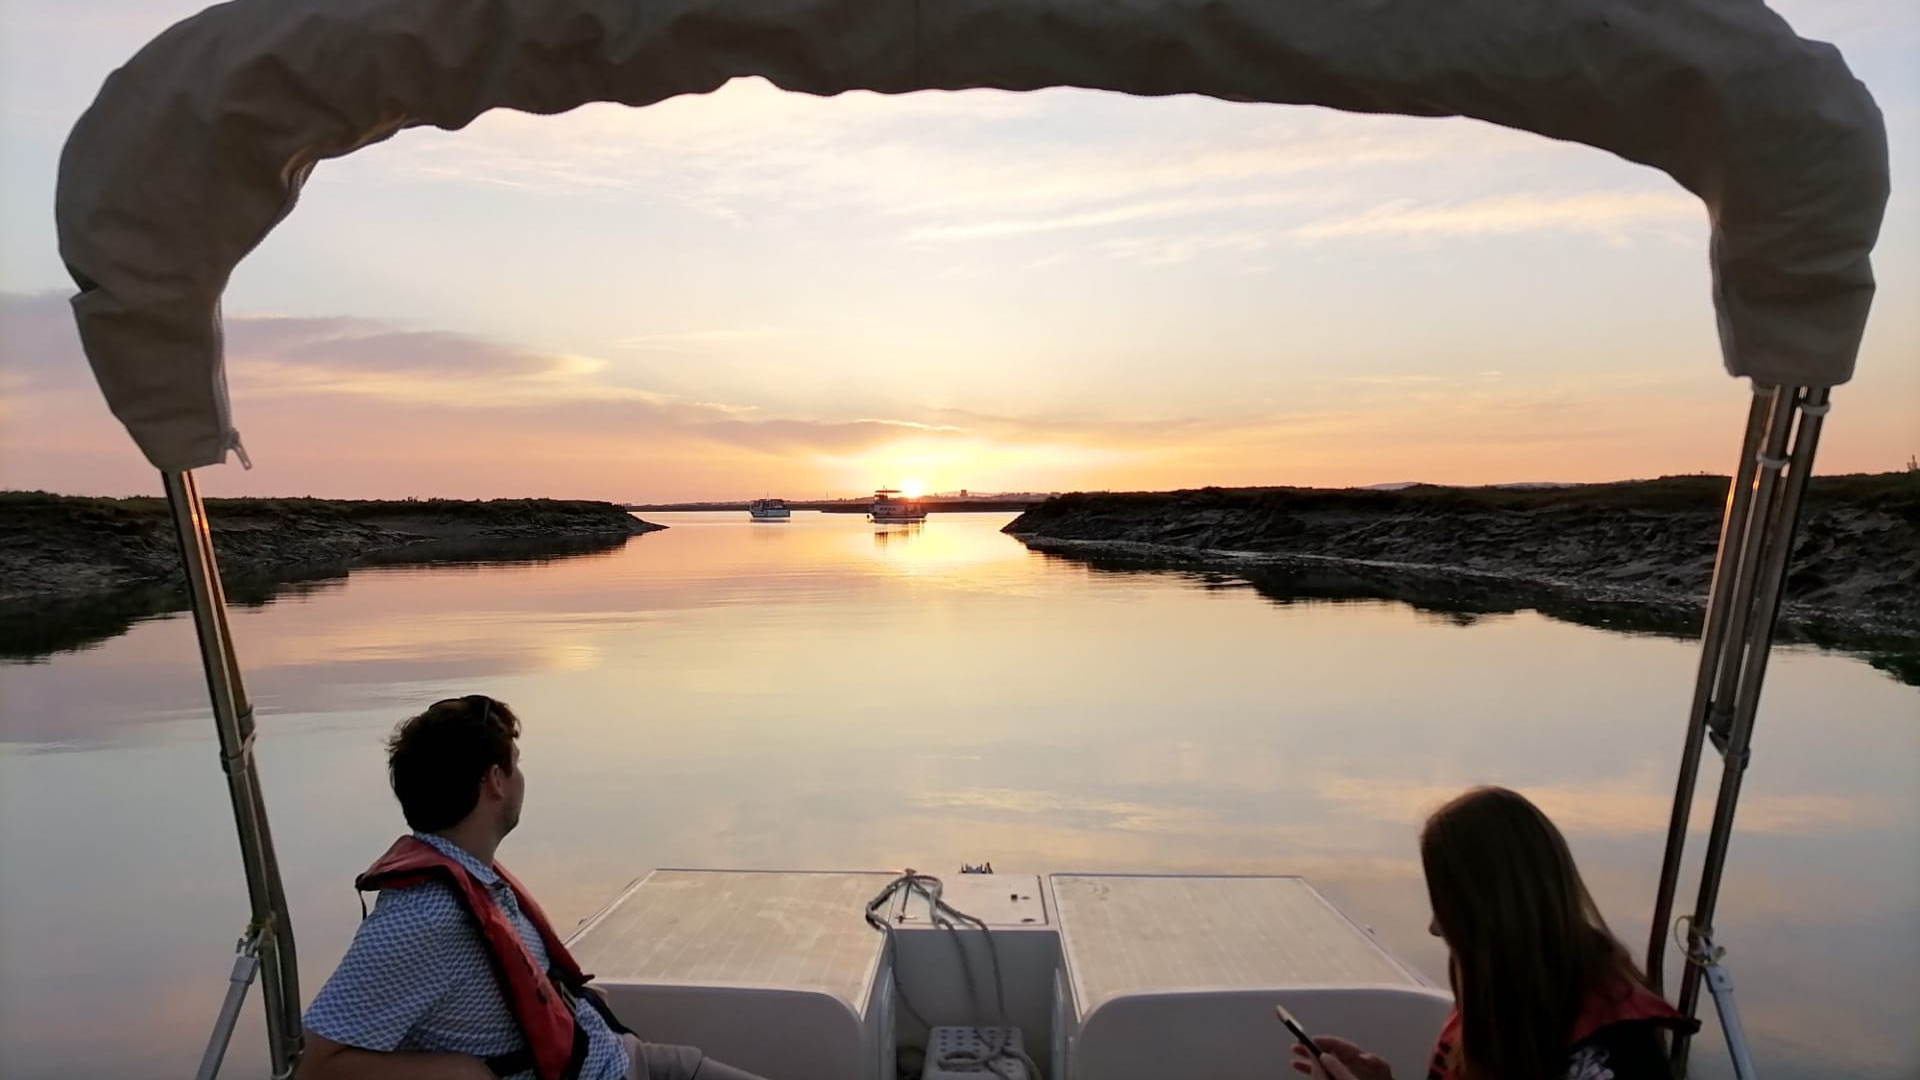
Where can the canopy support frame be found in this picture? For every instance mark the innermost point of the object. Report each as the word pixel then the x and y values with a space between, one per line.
pixel 1743 607
pixel 270 928
pixel 246 967
pixel 1706 957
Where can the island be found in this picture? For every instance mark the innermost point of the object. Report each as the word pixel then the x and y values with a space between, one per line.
pixel 1638 549
pixel 62 546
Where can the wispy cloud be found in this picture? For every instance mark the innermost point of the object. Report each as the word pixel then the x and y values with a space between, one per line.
pixel 957 167
pixel 1607 214
pixel 434 383
pixel 703 340
pixel 1173 250
pixel 1117 215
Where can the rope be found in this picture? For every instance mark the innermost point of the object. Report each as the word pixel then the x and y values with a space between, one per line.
pixel 1697 957
pixel 255 932
pixel 949 918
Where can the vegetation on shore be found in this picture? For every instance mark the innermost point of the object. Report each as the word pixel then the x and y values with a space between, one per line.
pixel 1856 563
pixel 54 546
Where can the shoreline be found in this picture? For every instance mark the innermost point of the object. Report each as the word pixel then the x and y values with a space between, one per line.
pixel 1429 579
pixel 1644 546
pixel 57 549
pixel 973 504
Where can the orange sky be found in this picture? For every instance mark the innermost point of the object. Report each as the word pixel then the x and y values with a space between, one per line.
pixel 758 293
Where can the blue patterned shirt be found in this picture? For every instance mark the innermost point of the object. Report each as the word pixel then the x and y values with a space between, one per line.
pixel 417 978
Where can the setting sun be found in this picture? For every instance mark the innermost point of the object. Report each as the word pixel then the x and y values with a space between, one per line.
pixel 913 489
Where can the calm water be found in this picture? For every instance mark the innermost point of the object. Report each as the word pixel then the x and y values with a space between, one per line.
pixel 819 694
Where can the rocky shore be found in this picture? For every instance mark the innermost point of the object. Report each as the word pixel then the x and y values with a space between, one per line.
pixel 1645 545
pixel 56 548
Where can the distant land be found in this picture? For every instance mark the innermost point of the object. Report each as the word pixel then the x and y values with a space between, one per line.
pixel 941 504
pixel 1629 555
pixel 1637 545
pixel 62 545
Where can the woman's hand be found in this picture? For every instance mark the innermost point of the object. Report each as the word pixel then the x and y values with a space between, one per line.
pixel 1341 1060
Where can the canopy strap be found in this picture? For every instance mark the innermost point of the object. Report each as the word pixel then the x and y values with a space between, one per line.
pixel 270 932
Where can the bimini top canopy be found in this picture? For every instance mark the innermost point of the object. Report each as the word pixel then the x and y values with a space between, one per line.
pixel 197 147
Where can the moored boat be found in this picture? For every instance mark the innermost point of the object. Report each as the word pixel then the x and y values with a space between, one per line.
pixel 891 506
pixel 769 510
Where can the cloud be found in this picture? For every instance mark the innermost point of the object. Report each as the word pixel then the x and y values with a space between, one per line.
pixel 306 358
pixel 274 356
pixel 977 165
pixel 334 397
pixel 1123 214
pixel 704 340
pixel 1609 214
pixel 1155 251
pixel 300 383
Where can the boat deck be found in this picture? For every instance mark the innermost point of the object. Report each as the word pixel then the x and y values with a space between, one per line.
pixel 1109 977
pixel 800 932
pixel 1128 935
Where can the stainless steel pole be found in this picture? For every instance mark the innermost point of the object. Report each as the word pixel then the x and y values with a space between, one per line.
pixel 1776 517
pixel 1714 641
pixel 233 721
pixel 1769 463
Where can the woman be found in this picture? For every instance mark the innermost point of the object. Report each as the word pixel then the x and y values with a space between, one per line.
pixel 1542 989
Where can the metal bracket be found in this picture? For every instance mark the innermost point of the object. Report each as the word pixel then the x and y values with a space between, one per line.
pixel 246 966
pixel 1707 956
pixel 241 760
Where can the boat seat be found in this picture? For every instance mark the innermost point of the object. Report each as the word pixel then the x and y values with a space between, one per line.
pixel 776 973
pixel 1178 976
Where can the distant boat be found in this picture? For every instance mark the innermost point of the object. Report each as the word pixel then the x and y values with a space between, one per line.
pixel 769 510
pixel 888 509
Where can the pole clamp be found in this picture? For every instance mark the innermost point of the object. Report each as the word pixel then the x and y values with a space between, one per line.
pixel 1697 946
pixel 241 760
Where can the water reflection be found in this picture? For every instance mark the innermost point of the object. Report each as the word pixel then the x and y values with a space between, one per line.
pixel 30 631
pixel 1461 601
pixel 896 532
pixel 726 694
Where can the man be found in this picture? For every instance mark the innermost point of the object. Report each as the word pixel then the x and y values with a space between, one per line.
pixel 457 975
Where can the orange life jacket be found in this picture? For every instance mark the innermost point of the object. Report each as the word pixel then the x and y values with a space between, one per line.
pixel 541 1001
pixel 1604 1008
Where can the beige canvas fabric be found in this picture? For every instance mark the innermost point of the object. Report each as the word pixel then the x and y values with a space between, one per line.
pixel 197 147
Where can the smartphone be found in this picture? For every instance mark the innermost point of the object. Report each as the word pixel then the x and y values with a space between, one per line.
pixel 1299 1033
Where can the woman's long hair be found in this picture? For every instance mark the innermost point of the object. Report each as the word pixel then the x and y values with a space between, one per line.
pixel 1528 944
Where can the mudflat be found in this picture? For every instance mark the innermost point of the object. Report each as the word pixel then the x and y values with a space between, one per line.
pixel 1855 565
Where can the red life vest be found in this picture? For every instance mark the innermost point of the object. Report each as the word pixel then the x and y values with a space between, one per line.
pixel 543 1009
pixel 1603 1009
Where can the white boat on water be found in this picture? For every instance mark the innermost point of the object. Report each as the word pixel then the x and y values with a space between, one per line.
pixel 769 510
pixel 892 507
pixel 188 158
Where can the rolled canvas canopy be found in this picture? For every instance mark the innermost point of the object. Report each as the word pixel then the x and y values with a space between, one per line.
pixel 197 147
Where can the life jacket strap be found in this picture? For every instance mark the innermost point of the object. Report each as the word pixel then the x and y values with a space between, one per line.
pixel 521 1060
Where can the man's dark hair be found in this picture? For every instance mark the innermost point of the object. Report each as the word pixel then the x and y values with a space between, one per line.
pixel 436 760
